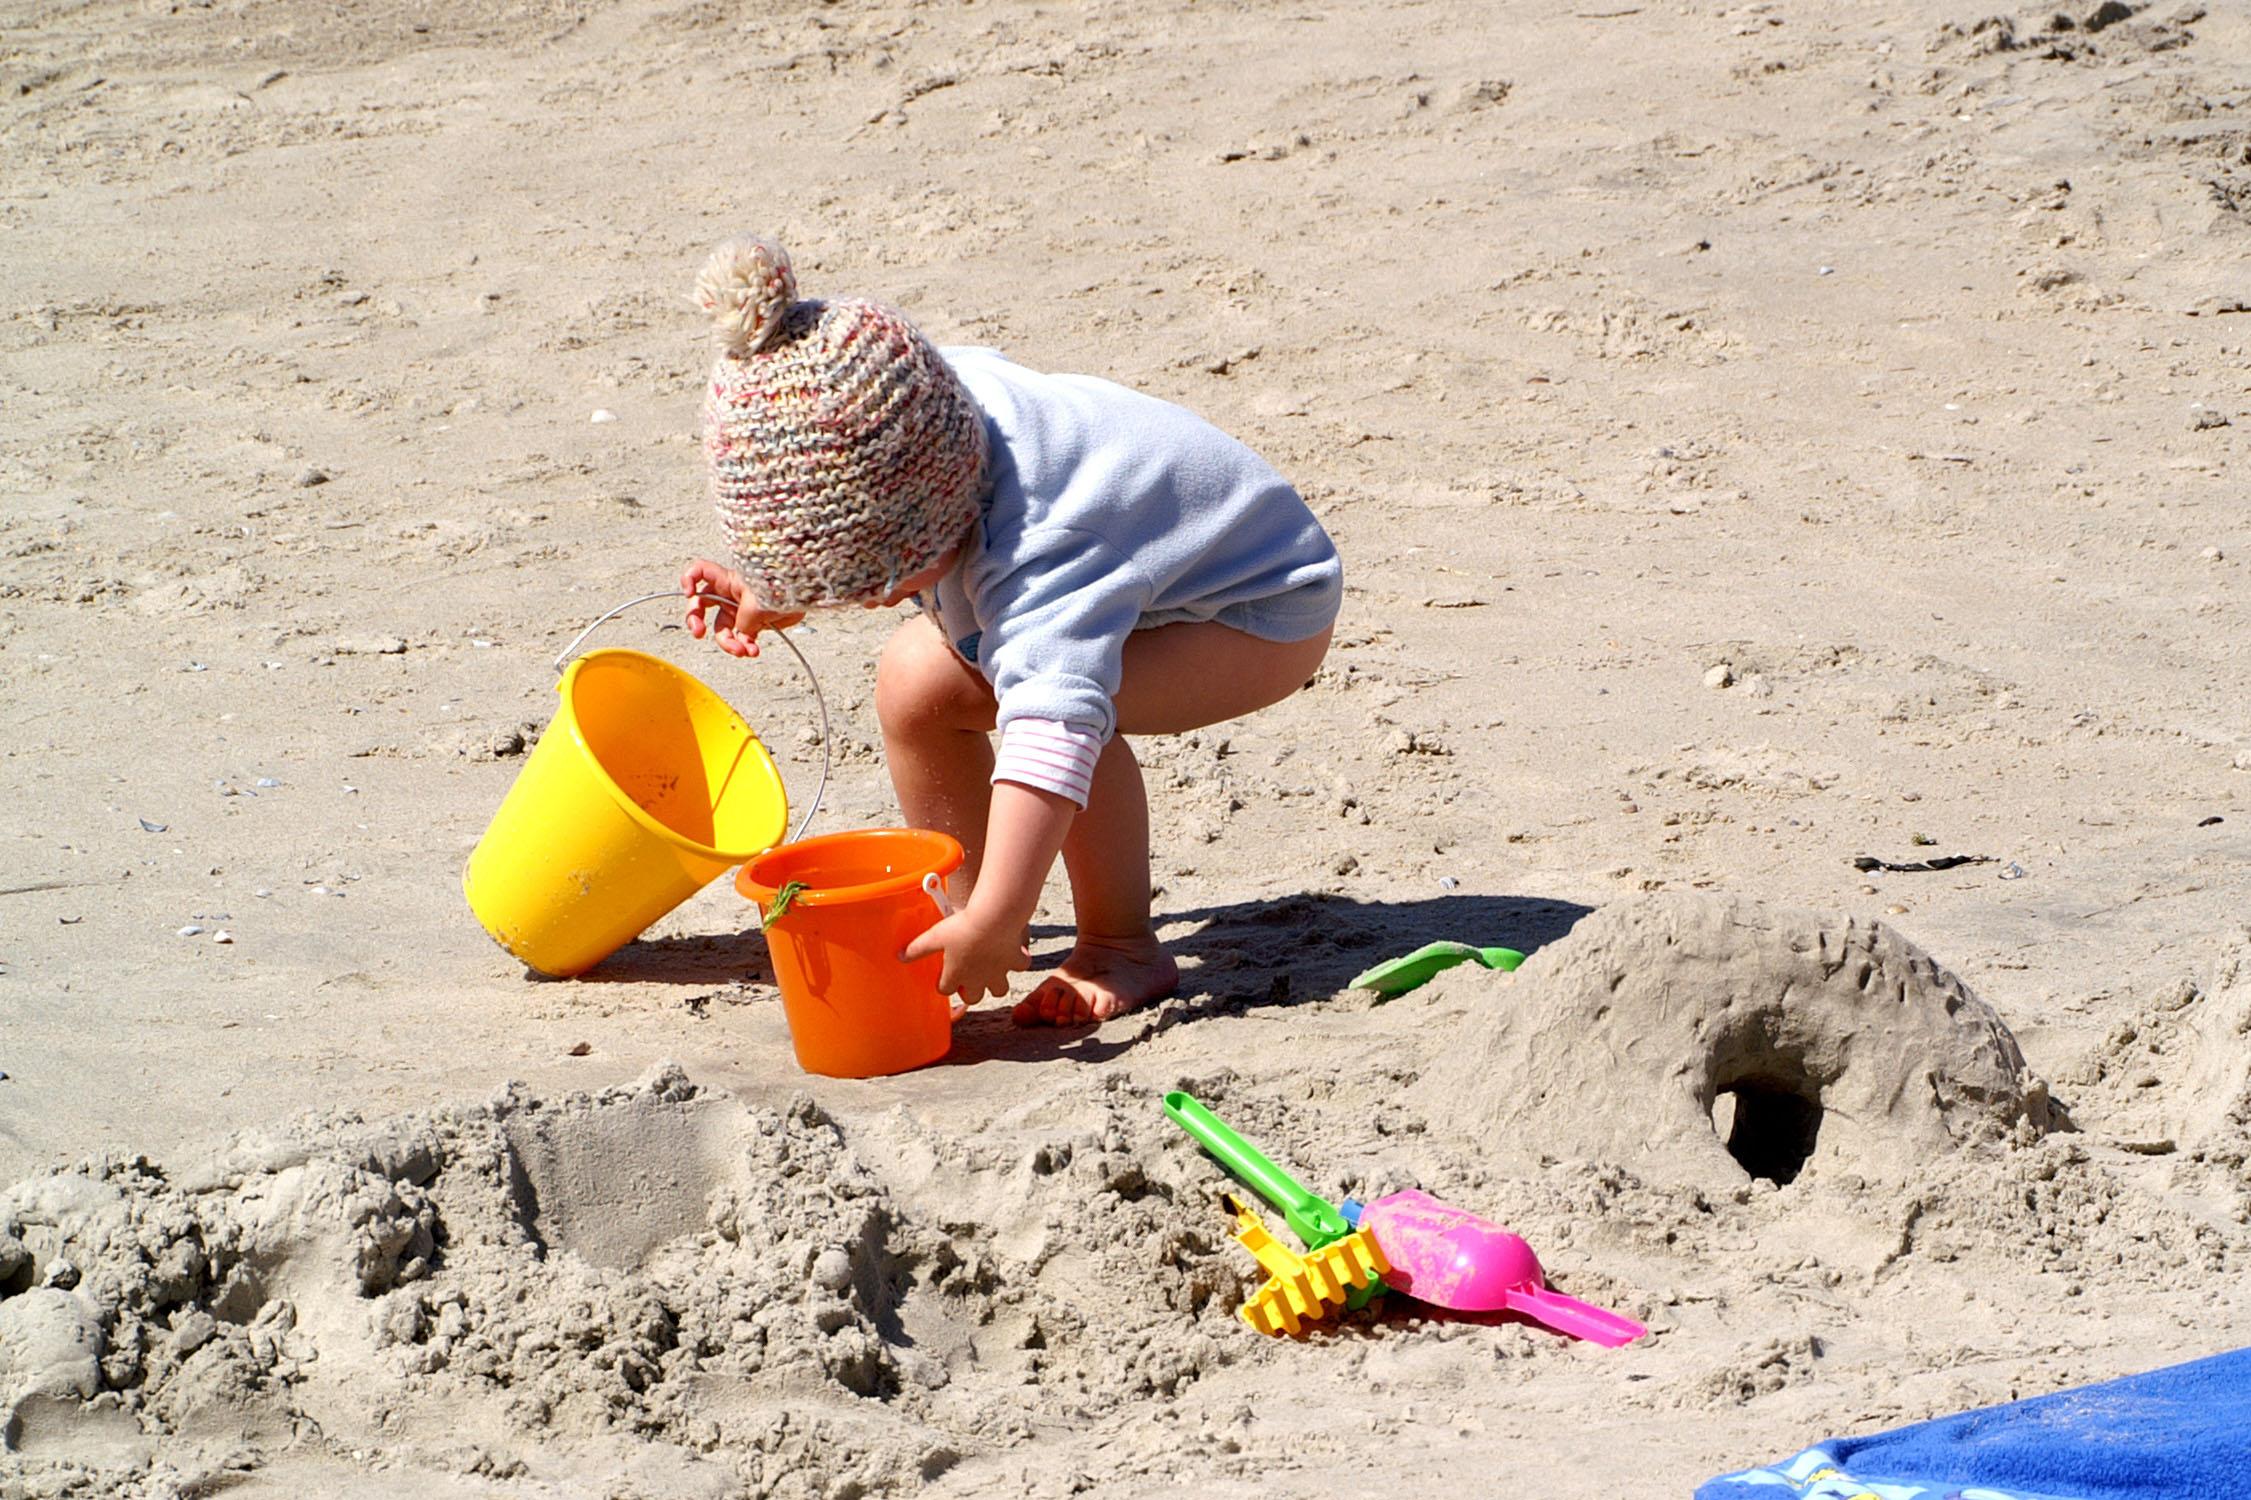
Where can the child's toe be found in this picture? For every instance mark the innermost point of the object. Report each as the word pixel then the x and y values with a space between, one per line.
pixel 1054 1003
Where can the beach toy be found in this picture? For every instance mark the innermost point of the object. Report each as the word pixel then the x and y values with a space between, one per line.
pixel 1399 975
pixel 1301 1289
pixel 837 910
pixel 1313 1220
pixel 1451 1258
pixel 644 788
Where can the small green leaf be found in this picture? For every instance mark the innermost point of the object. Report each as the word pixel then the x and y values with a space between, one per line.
pixel 790 891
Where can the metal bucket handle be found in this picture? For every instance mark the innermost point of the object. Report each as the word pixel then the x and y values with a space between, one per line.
pixel 819 701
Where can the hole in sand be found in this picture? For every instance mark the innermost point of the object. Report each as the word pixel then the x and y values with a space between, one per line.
pixel 613 1182
pixel 1770 1128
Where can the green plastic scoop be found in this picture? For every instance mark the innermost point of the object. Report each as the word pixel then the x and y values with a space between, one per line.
pixel 1399 975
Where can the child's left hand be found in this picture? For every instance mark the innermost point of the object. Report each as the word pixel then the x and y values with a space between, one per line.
pixel 979 955
pixel 736 616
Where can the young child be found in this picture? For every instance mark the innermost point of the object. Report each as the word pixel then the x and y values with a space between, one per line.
pixel 1090 563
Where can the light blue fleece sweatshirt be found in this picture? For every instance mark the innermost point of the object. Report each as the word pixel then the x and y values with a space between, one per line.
pixel 1113 511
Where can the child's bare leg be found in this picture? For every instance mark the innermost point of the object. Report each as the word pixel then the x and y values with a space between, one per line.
pixel 1116 963
pixel 1176 678
pixel 937 715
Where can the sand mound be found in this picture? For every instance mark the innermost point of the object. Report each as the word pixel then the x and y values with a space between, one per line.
pixel 1717 1038
pixel 661 1290
pixel 566 1284
pixel 2173 1079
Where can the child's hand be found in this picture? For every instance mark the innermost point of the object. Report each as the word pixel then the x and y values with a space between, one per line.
pixel 979 955
pixel 737 617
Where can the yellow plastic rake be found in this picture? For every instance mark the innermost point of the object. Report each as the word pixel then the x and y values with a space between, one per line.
pixel 1302 1289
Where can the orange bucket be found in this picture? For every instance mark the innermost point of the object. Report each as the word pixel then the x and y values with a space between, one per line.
pixel 854 1010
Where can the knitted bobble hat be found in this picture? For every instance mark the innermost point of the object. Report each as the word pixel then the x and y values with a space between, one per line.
pixel 845 454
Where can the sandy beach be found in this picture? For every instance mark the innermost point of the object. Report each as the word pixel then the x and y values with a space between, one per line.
pixel 1787 459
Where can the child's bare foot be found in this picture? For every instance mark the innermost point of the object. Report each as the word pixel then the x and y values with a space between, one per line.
pixel 1102 978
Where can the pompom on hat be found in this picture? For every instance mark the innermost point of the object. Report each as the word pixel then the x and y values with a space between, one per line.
pixel 845 454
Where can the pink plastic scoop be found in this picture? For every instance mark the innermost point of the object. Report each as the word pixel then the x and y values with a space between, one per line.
pixel 1441 1255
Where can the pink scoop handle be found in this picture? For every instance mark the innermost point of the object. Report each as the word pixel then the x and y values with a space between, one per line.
pixel 1570 1315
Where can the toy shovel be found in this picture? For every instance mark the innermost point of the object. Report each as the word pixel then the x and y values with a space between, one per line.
pixel 1312 1219
pixel 1398 975
pixel 1441 1255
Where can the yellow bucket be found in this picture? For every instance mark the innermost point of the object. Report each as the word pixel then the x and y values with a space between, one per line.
pixel 644 788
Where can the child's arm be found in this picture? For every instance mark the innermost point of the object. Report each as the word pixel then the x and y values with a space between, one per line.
pixel 984 942
pixel 739 617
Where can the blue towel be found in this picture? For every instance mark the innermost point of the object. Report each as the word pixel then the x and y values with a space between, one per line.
pixel 2180 1433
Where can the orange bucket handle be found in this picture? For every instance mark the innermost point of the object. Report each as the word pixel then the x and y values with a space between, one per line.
pixel 819 700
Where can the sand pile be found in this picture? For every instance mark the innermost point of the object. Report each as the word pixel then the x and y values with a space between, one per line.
pixel 2173 1080
pixel 661 1289
pixel 1721 1038
pixel 536 1284
pixel 1691 1087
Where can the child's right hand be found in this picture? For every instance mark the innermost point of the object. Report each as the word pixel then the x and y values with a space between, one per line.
pixel 979 954
pixel 736 617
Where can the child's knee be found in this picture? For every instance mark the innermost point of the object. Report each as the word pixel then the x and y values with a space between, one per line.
pixel 921 683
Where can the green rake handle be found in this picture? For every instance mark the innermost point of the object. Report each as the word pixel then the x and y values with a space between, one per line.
pixel 1313 1220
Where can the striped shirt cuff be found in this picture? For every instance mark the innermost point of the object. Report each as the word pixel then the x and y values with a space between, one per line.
pixel 1053 757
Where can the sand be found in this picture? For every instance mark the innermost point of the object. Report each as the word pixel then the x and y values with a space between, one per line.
pixel 1770 445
